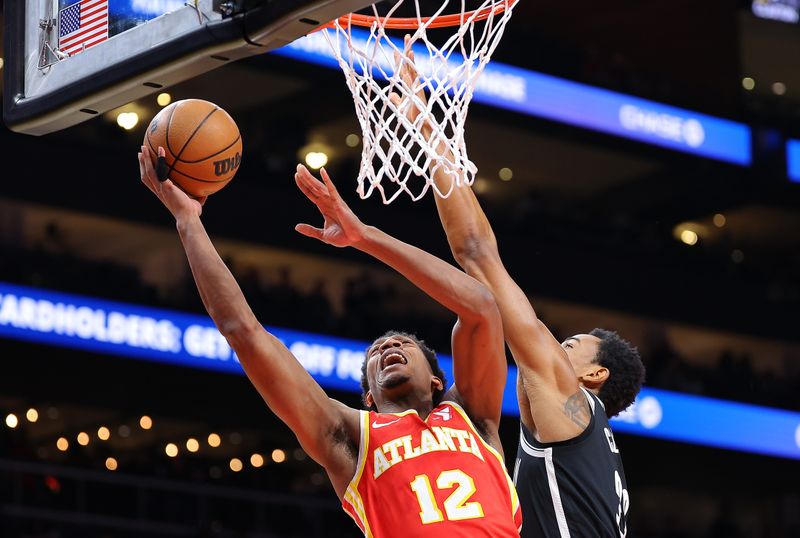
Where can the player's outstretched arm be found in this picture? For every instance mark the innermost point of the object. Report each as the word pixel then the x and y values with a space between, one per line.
pixel 290 392
pixel 479 363
pixel 543 363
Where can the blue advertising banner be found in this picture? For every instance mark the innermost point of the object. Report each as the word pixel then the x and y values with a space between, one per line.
pixel 556 99
pixel 165 336
pixel 793 160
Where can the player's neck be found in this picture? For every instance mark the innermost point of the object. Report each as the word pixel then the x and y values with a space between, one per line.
pixel 409 402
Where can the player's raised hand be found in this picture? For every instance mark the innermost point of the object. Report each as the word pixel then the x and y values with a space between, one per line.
pixel 180 204
pixel 410 79
pixel 341 228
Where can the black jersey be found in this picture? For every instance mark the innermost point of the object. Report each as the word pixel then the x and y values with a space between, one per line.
pixel 574 488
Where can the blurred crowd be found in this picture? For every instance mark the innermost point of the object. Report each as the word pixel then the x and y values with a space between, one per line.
pixel 370 308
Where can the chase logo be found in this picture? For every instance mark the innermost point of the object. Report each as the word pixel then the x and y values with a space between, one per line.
pixel 662 125
pixel 227 165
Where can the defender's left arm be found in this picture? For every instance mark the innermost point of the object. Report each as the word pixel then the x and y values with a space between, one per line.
pixel 479 365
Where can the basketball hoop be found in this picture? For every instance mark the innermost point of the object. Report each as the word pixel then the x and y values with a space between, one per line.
pixel 412 23
pixel 396 156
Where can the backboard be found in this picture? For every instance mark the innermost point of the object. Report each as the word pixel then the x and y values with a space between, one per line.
pixel 67 61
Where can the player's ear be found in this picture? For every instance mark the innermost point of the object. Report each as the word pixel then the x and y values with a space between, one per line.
pixel 595 376
pixel 368 401
pixel 436 384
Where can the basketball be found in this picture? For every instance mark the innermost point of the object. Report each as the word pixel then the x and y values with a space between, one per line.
pixel 202 144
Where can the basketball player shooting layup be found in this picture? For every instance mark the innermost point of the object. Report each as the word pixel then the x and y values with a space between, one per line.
pixel 568 470
pixel 424 461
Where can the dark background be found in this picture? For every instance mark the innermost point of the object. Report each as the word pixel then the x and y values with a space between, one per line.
pixel 587 227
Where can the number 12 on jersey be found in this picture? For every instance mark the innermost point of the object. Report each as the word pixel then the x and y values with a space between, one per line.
pixel 456 506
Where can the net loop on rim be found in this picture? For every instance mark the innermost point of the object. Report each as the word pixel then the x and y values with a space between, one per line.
pixel 412 96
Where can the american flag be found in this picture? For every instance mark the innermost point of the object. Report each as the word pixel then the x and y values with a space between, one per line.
pixel 82 25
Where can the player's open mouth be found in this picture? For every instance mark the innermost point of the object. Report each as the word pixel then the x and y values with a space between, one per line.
pixel 391 357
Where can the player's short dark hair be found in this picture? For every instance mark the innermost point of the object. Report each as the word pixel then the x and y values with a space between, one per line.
pixel 626 371
pixel 430 354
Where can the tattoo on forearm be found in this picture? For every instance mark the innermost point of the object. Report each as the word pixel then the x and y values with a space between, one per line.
pixel 577 409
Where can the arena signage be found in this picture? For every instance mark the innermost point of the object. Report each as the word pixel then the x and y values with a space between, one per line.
pixel 777 10
pixel 165 336
pixel 793 160
pixel 556 99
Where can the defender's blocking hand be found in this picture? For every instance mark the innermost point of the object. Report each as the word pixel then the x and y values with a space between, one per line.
pixel 341 228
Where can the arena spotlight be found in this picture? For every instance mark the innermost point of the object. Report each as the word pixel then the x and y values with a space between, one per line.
pixel 352 140
pixel 214 440
pixel 83 438
pixel 146 422
pixel 316 159
pixel 171 449
pixel 103 433
pixel 1 62
pixel 719 220
pixel 32 415
pixel 506 174
pixel 687 233
pixel 163 99
pixel 111 464
pixel 278 455
pixel 127 120
pixel 192 445
pixel 689 237
pixel 12 420
pixel 62 444
pixel 236 465
pixel 257 460
pixel 748 83
pixel 778 88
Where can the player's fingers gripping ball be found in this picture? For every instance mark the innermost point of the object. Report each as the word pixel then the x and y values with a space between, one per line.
pixel 202 145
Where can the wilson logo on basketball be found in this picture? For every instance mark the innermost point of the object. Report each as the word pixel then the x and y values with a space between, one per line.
pixel 226 165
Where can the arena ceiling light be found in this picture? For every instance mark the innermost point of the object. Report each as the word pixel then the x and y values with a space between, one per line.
pixel 192 445
pixel 163 99
pixel 127 120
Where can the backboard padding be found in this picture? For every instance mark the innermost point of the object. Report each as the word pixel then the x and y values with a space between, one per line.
pixel 139 62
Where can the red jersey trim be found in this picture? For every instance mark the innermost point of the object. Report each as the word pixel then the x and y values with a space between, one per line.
pixel 352 502
pixel 512 490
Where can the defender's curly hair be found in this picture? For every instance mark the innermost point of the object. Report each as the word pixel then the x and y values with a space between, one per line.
pixel 626 371
pixel 438 394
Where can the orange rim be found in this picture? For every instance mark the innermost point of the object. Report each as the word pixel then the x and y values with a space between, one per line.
pixel 412 23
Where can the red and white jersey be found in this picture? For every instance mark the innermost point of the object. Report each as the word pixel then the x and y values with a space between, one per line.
pixel 433 477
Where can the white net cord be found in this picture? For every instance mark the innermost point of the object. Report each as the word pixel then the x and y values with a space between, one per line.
pixel 409 141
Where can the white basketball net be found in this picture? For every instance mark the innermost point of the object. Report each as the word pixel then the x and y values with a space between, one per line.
pixel 396 156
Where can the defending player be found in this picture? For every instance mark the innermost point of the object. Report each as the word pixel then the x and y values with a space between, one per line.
pixel 426 462
pixel 568 471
